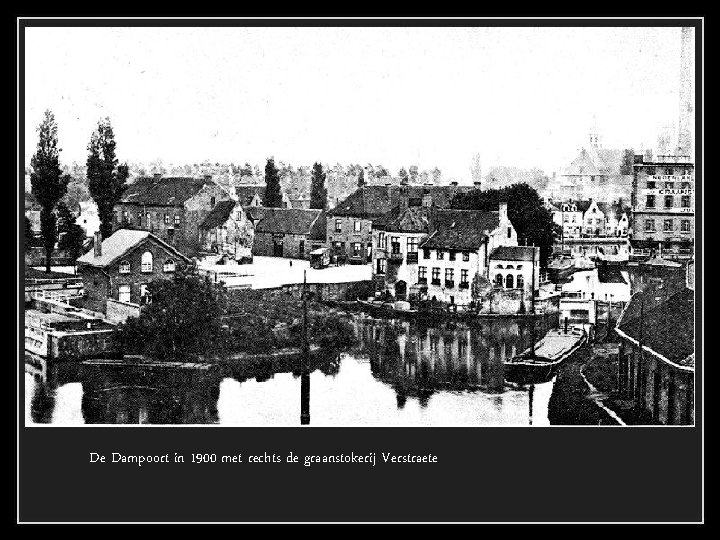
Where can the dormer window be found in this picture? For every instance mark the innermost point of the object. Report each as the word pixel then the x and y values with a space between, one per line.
pixel 125 267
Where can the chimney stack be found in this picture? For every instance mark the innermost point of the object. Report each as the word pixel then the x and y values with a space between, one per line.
pixel 453 183
pixel 503 212
pixel 98 244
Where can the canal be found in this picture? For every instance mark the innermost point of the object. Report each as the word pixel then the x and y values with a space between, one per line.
pixel 397 373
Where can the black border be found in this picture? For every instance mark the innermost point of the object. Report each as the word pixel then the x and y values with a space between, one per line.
pixel 637 474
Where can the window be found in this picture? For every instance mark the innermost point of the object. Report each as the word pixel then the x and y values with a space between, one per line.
pixel 426 253
pixel 145 297
pixel 668 201
pixel 685 225
pixel 649 224
pixel 169 265
pixel 498 280
pixel 369 226
pixel 147 217
pixel 412 244
pixel 466 256
pixel 301 247
pixel 395 244
pixel 650 184
pixel 176 220
pixel 125 267
pixel 685 185
pixel 381 240
pixel 440 255
pixel 422 274
pixel 147 262
pixel 139 216
pixel 685 201
pixel 566 218
pixel 650 201
pixel 381 266
pixel 338 225
pixel 509 232
pixel 166 219
pixel 452 255
pixel 668 225
pixel 357 226
pixel 669 171
pixel 509 281
pixel 356 249
pixel 436 276
pixel 212 201
pixel 463 276
pixel 124 293
pixel 520 282
pixel 449 275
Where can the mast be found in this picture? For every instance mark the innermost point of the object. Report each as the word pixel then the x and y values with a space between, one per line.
pixel 305 362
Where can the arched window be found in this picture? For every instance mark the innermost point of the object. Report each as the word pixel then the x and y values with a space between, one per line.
pixel 499 266
pixel 169 265
pixel 147 262
pixel 509 267
pixel 518 267
pixel 509 281
pixel 520 282
pixel 125 267
pixel 498 280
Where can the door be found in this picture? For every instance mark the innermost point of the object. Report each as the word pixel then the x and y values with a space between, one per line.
pixel 277 247
pixel 400 290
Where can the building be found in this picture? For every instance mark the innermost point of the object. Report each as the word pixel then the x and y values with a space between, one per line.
pixel 516 268
pixel 663 207
pixel 350 222
pixel 120 267
pixel 88 218
pixel 604 285
pixel 250 194
pixel 656 362
pixel 569 214
pixel 227 231
pixel 287 232
pixel 172 208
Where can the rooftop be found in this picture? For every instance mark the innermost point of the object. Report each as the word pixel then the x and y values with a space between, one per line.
pixel 218 215
pixel 121 242
pixel 461 229
pixel 286 220
pixel 515 253
pixel 163 191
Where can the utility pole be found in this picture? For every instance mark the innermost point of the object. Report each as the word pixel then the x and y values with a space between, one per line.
pixel 305 362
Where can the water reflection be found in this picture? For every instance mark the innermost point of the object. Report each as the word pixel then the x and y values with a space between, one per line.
pixel 398 373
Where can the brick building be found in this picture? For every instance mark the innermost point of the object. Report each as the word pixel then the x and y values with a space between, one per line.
pixel 172 208
pixel 663 207
pixel 121 266
pixel 227 230
pixel 287 232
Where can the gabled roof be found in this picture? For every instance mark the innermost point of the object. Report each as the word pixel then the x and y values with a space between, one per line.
pixel 164 191
pixel 461 229
pixel 414 219
pixel 582 206
pixel 610 274
pixel 121 242
pixel 246 192
pixel 668 324
pixel 374 201
pixel 286 221
pixel 318 231
pixel 515 253
pixel 218 215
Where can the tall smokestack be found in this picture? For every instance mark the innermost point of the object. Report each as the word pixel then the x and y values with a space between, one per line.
pixel 686 121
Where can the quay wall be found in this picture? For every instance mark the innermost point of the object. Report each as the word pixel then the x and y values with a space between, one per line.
pixel 78 345
pixel 319 291
pixel 118 312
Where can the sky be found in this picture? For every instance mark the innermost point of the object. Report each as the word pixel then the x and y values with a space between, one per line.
pixel 524 97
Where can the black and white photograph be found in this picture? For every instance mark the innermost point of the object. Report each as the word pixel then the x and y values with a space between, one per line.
pixel 380 225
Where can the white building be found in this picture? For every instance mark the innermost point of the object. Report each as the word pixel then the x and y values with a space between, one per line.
pixel 516 267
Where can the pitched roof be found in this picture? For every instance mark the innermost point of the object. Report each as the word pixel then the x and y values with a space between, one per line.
pixel 121 242
pixel 246 192
pixel 610 274
pixel 668 323
pixel 514 253
pixel 286 220
pixel 374 201
pixel 165 191
pixel 218 215
pixel 411 219
pixel 461 229
pixel 318 231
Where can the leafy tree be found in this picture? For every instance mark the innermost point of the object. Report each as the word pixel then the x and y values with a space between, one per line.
pixel 403 174
pixel 627 161
pixel 318 191
pixel 532 221
pixel 71 234
pixel 106 179
pixel 436 176
pixel 361 178
pixel 273 196
pixel 413 171
pixel 183 320
pixel 28 234
pixel 49 184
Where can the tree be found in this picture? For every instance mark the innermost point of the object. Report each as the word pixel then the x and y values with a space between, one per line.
pixel 361 178
pixel 476 168
pixel 403 174
pixel 532 221
pixel 49 184
pixel 28 234
pixel 106 179
pixel 318 191
pixel 71 235
pixel 184 319
pixel 628 158
pixel 273 196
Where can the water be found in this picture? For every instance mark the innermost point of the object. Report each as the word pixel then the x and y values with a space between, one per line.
pixel 398 373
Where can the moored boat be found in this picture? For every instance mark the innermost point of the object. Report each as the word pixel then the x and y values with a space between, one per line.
pixel 540 362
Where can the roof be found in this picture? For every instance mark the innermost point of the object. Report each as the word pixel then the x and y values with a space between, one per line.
pixel 318 231
pixel 461 229
pixel 287 221
pixel 165 191
pixel 121 242
pixel 610 274
pixel 514 253
pixel 668 323
pixel 412 219
pixel 374 201
pixel 246 193
pixel 218 215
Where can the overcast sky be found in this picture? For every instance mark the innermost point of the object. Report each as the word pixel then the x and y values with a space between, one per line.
pixel 391 96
